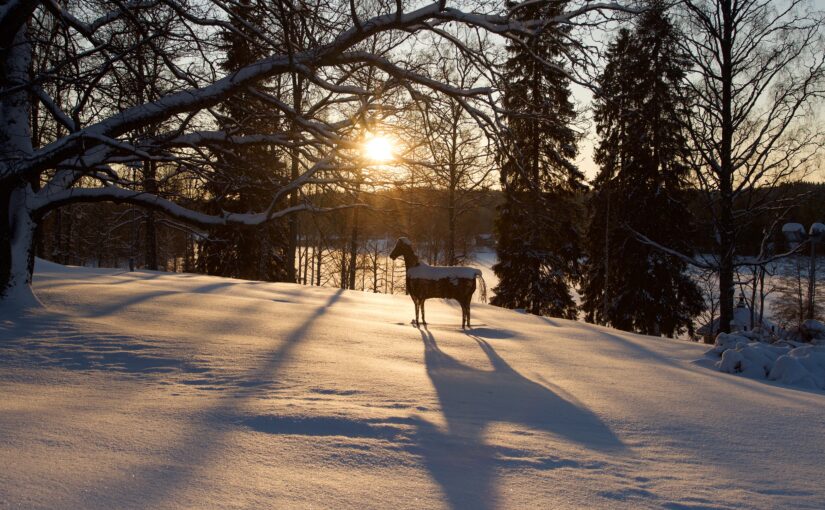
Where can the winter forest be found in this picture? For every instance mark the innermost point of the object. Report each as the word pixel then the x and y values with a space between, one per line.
pixel 218 211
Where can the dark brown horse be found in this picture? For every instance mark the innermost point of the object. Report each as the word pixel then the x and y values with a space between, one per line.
pixel 424 281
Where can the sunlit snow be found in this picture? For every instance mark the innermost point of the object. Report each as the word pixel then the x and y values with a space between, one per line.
pixel 157 390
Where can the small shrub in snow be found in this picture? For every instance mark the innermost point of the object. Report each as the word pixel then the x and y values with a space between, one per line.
pixel 725 341
pixel 812 331
pixel 787 362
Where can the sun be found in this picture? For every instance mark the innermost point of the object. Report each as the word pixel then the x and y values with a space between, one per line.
pixel 378 148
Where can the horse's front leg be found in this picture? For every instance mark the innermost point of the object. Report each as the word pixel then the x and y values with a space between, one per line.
pixel 415 302
pixel 423 319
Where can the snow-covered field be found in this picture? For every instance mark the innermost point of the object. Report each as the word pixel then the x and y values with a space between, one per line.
pixel 152 390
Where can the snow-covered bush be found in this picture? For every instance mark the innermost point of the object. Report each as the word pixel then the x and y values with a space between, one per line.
pixel 726 341
pixel 812 331
pixel 787 362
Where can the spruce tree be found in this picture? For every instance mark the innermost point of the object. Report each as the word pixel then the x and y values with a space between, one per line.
pixel 537 226
pixel 628 284
pixel 257 172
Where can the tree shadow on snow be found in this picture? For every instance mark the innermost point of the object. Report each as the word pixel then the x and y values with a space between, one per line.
pixel 151 486
pixel 460 460
pixel 49 340
pixel 493 333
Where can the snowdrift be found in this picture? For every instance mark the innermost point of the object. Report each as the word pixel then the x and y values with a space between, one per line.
pixel 153 390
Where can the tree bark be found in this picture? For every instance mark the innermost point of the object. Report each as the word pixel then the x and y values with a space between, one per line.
pixel 306 259
pixel 319 257
pixel 451 260
pixel 353 249
pixel 292 243
pixel 17 222
pixel 150 184
pixel 727 238
pixel 17 231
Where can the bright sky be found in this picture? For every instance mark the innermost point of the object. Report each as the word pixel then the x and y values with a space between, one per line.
pixel 378 148
pixel 583 98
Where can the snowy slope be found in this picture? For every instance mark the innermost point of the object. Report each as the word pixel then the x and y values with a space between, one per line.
pixel 152 390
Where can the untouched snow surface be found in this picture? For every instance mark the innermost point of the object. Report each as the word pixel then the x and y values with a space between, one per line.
pixel 152 390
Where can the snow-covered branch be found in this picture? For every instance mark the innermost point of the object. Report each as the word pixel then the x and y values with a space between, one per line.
pixel 120 195
pixel 337 51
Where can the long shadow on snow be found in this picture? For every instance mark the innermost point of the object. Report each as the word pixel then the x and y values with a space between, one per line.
pixel 52 341
pixel 42 282
pixel 637 350
pixel 471 399
pixel 150 486
pixel 149 296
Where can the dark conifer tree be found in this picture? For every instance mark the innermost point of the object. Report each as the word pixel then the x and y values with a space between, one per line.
pixel 627 284
pixel 257 172
pixel 538 234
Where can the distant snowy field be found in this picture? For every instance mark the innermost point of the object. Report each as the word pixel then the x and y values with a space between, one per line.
pixel 155 390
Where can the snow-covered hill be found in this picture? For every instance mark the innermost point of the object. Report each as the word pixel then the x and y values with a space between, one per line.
pixel 152 390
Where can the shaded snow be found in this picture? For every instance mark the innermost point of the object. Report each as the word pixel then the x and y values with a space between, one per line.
pixel 154 390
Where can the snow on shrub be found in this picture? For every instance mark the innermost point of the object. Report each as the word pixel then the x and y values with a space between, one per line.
pixel 725 341
pixel 812 331
pixel 786 362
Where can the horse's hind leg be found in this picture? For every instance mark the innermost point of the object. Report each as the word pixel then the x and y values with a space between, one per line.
pixel 415 302
pixel 423 319
pixel 465 315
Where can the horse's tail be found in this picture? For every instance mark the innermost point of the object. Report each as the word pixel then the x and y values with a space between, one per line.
pixel 483 287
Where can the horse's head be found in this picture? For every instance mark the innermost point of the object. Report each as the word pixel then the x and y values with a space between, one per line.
pixel 402 247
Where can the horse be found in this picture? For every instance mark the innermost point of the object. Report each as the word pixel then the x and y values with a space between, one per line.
pixel 425 281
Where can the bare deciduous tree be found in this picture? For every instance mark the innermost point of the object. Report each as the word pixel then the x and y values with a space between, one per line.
pixel 458 154
pixel 758 69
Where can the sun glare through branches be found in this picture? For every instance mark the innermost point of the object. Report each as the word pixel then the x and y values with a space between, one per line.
pixel 378 148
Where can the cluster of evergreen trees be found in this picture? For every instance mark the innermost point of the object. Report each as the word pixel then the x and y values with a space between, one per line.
pixel 246 178
pixel 639 189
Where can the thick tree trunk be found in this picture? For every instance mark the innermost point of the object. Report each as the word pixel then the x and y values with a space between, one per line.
pixel 306 259
pixel 17 231
pixel 353 250
pixel 66 238
pixel 344 279
pixel 726 267
pixel 319 257
pixel 17 223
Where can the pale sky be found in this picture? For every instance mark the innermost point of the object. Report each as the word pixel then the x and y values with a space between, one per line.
pixel 583 98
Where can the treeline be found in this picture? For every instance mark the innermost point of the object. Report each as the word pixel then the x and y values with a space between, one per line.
pixel 797 202
pixel 112 235
pixel 108 235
